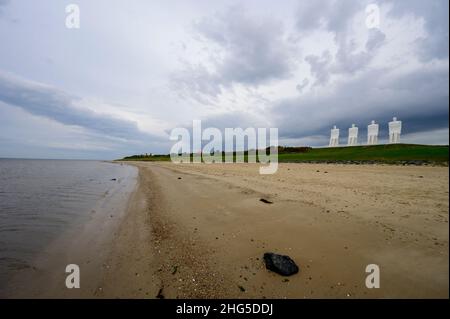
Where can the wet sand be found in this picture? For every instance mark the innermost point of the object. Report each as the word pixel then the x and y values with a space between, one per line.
pixel 85 242
pixel 200 231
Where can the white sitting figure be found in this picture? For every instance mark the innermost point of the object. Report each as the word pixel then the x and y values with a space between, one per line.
pixel 334 139
pixel 352 135
pixel 372 133
pixel 395 129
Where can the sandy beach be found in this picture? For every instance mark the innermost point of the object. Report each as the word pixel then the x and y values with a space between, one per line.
pixel 313 138
pixel 200 231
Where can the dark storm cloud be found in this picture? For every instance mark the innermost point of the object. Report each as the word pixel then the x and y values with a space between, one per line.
pixel 419 98
pixel 375 40
pixel 436 18
pixel 336 17
pixel 196 82
pixel 348 61
pixel 57 105
pixel 418 95
pixel 319 67
pixel 253 51
pixel 300 87
pixel 332 15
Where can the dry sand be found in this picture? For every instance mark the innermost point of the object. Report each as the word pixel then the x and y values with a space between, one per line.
pixel 200 231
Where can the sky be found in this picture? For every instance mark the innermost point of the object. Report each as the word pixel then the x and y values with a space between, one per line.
pixel 134 70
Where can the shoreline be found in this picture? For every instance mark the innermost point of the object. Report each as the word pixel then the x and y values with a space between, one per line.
pixel 85 242
pixel 200 231
pixel 152 256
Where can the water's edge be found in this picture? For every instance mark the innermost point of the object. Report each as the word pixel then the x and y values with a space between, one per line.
pixel 84 241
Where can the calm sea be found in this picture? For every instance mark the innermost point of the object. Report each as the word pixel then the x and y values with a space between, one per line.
pixel 41 199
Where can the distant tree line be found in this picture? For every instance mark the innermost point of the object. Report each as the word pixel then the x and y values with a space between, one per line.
pixel 281 150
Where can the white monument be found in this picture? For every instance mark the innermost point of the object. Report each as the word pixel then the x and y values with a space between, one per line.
pixel 372 133
pixel 395 129
pixel 334 139
pixel 352 135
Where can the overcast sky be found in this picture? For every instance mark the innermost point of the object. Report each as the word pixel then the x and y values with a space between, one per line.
pixel 136 69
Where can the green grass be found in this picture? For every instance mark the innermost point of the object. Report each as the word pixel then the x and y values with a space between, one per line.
pixel 377 153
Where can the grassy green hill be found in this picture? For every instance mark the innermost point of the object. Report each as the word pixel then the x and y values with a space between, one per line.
pixel 392 153
pixel 379 153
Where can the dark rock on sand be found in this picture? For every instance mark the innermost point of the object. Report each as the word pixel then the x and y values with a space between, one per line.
pixel 280 264
pixel 266 201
